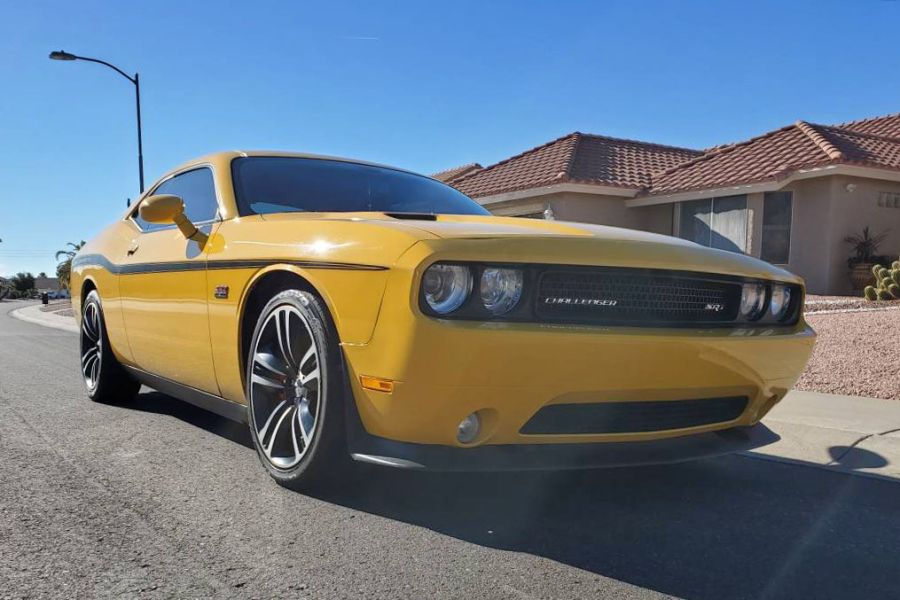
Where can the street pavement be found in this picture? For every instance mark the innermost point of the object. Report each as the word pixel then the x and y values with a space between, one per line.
pixel 159 500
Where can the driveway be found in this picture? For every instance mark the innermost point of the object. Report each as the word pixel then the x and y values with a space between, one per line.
pixel 160 499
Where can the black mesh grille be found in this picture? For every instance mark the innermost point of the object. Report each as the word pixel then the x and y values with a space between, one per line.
pixel 618 296
pixel 633 417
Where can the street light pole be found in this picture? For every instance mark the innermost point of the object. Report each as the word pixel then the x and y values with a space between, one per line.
pixel 136 80
pixel 137 101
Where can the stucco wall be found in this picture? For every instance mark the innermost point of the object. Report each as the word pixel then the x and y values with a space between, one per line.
pixel 825 212
pixel 851 210
pixel 592 208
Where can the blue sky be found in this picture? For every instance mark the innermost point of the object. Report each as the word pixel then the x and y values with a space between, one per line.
pixel 421 85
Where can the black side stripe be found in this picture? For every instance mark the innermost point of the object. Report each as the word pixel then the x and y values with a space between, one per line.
pixel 98 260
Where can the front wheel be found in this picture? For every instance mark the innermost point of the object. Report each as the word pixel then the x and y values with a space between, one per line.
pixel 104 377
pixel 294 392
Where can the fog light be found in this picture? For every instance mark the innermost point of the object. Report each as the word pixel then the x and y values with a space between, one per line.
pixel 468 429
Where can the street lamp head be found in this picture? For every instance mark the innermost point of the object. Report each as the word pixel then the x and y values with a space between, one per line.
pixel 62 55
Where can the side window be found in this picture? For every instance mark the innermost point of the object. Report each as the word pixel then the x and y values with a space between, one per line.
pixel 198 191
pixel 776 231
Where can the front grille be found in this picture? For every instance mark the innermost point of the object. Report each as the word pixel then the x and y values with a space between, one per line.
pixel 633 417
pixel 624 296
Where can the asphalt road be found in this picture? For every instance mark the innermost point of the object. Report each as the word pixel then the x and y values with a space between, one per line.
pixel 160 499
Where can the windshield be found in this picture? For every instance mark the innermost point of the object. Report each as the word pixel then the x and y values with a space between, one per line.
pixel 269 184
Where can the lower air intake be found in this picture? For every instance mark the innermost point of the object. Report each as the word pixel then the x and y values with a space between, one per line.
pixel 633 417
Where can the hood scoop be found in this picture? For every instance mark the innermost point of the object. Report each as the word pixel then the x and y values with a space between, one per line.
pixel 408 216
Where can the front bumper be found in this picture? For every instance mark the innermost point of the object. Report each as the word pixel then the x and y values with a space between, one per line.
pixel 443 370
pixel 525 457
pixel 507 372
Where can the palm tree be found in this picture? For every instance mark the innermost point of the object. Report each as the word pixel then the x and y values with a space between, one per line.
pixel 64 268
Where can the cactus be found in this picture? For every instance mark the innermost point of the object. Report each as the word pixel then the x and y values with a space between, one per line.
pixel 887 283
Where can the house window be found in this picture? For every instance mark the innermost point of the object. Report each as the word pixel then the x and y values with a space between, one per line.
pixel 776 231
pixel 888 200
pixel 716 222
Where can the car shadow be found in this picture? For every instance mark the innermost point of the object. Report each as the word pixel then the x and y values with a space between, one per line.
pixel 161 404
pixel 730 527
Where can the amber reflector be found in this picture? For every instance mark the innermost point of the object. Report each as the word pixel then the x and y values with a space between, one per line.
pixel 376 383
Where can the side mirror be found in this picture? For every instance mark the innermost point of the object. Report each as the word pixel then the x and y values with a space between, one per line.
pixel 166 208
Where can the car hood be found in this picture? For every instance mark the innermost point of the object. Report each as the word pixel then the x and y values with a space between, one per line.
pixel 480 226
pixel 576 243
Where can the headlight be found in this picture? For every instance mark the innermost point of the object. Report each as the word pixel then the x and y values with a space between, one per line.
pixel 781 300
pixel 753 298
pixel 446 287
pixel 500 289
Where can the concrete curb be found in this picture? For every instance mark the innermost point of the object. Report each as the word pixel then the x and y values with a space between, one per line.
pixel 851 435
pixel 33 314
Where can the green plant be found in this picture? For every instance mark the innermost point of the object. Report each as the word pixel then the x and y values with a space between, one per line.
pixel 64 268
pixel 887 283
pixel 864 246
pixel 23 282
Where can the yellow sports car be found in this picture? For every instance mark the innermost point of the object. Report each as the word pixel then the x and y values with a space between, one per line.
pixel 351 310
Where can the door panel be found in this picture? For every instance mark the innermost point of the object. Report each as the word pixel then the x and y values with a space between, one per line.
pixel 164 288
pixel 164 300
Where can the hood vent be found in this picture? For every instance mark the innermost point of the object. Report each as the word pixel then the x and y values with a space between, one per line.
pixel 412 216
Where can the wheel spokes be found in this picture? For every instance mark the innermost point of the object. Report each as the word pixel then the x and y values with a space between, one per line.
pixel 284 391
pixel 306 420
pixel 276 429
pixel 272 364
pixel 91 354
pixel 283 335
pixel 265 428
pixel 89 325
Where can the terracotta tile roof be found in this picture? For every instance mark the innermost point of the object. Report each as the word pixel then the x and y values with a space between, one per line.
pixel 449 175
pixel 576 158
pixel 777 154
pixel 888 125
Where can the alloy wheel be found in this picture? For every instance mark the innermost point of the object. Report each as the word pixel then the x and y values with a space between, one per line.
pixel 285 387
pixel 91 345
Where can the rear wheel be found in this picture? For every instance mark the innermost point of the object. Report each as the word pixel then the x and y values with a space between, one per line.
pixel 294 392
pixel 103 375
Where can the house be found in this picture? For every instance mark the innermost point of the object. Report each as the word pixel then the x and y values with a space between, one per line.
pixel 46 284
pixel 789 196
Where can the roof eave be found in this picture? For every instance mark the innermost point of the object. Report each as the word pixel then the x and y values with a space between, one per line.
pixel 769 185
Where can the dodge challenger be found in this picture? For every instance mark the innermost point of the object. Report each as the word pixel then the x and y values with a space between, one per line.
pixel 348 311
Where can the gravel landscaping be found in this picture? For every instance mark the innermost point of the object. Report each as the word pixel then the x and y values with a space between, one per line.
pixel 856 353
pixel 830 303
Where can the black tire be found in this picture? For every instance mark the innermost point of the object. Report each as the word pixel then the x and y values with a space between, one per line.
pixel 295 404
pixel 105 379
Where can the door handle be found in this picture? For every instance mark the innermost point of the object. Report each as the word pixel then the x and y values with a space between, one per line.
pixel 133 247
